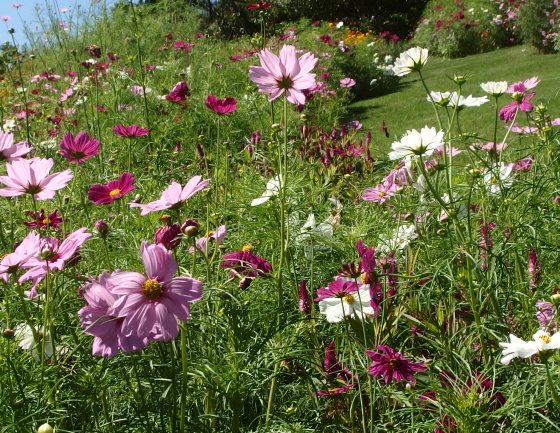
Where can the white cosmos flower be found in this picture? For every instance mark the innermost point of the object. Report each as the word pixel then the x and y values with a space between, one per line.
pixel 439 98
pixel 517 348
pixel 411 60
pixel 9 125
pixel 496 175
pixel 26 341
pixel 398 240
pixel 469 101
pixel 272 188
pixel 355 305
pixel 313 236
pixel 415 143
pixel 495 88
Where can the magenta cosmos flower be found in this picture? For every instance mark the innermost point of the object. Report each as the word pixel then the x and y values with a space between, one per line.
pixel 260 5
pixel 284 73
pixel 115 189
pixel 380 193
pixel 29 176
pixel 50 255
pixel 152 303
pixel 179 93
pixel 246 265
pixel 392 366
pixel 43 220
pixel 77 150
pixel 10 152
pixel 220 106
pixel 173 197
pixel 342 380
pixel 130 131
pixel 106 329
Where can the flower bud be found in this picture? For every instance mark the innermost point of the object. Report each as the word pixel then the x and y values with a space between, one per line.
pixel 190 228
pixel 276 126
pixel 102 228
pixel 45 428
pixel 409 386
pixel 167 234
pixel 8 333
pixel 11 31
pixel 555 299
pixel 303 117
pixel 460 79
pixel 304 299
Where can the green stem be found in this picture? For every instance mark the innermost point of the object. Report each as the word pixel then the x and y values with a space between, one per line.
pixel 555 397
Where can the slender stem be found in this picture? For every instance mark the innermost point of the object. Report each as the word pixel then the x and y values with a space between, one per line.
pixel 555 397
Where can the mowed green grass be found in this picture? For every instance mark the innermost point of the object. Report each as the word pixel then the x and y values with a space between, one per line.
pixel 406 108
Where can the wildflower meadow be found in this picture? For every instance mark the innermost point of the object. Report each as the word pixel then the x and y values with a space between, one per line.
pixel 203 234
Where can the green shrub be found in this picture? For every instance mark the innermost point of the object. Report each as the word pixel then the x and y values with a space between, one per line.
pixel 538 20
pixel 459 28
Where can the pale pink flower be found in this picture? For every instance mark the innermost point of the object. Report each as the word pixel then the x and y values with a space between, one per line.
pixel 523 86
pixel 380 193
pixel 10 263
pixel 284 73
pixel 173 197
pixel 29 176
pixel 152 303
pixel 452 151
pixel 210 239
pixel 9 151
pixel 51 256
pixel 347 82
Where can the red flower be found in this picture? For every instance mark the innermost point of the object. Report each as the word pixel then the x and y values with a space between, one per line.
pixel 107 194
pixel 220 106
pixel 392 366
pixel 130 131
pixel 168 234
pixel 259 5
pixel 80 148
pixel 42 221
pixel 179 93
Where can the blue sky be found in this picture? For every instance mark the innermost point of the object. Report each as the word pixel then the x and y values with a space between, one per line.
pixel 28 14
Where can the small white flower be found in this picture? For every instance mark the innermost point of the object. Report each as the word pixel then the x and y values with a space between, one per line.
pixel 398 240
pixel 388 59
pixel 517 348
pixel 355 305
pixel 411 60
pixel 9 125
pixel 439 98
pixel 469 101
pixel 496 175
pixel 26 341
pixel 495 88
pixel 340 24
pixel 313 236
pixel 415 143
pixel 272 188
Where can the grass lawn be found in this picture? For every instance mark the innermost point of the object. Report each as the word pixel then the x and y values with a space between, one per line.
pixel 407 108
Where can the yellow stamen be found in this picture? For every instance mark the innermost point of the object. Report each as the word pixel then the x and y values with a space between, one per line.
pixel 247 247
pixel 349 299
pixel 151 289
pixel 115 192
pixel 545 338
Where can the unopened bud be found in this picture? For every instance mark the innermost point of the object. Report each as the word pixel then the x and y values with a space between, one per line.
pixel 11 31
pixel 555 299
pixel 102 228
pixel 190 228
pixel 275 126
pixel 8 333
pixel 460 79
pixel 45 428
pixel 409 386
pixel 303 117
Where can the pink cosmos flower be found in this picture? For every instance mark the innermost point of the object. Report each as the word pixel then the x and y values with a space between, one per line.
pixel 203 243
pixel 380 193
pixel 521 103
pixel 10 152
pixel 77 150
pixel 29 176
pixel 10 263
pixel 399 175
pixel 347 82
pixel 220 106
pixel 17 5
pixel 152 303
pixel 246 264
pixel 168 233
pixel 284 73
pixel 452 151
pixel 115 189
pixel 179 93
pixel 173 197
pixel 130 131
pixel 51 256
pixel 6 18
pixel 523 86
pixel 392 365
pixel 183 46
pixel 106 328
pixel 523 129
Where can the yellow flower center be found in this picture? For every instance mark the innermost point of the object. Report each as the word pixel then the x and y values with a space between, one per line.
pixel 381 193
pixel 363 278
pixel 47 221
pixel 151 289
pixel 247 247
pixel 209 234
pixel 545 338
pixel 349 299
pixel 493 180
pixel 115 192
